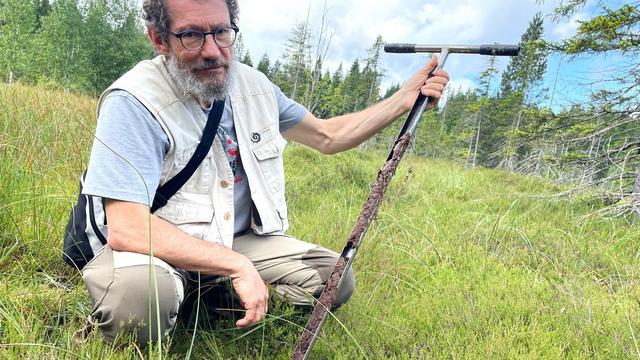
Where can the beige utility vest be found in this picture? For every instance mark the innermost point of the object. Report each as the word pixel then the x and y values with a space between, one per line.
pixel 204 206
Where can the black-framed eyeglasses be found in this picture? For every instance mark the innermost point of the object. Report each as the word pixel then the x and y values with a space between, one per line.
pixel 193 40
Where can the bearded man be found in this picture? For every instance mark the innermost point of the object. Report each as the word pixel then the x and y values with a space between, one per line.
pixel 227 223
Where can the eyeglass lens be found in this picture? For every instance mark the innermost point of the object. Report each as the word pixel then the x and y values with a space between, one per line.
pixel 194 40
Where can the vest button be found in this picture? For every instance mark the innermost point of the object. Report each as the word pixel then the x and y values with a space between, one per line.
pixel 227 216
pixel 224 184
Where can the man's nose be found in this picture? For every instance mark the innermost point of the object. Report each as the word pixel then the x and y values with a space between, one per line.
pixel 210 49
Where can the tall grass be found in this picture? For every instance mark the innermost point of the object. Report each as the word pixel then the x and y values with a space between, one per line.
pixel 459 264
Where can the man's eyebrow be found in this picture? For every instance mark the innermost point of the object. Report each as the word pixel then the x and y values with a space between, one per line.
pixel 200 29
pixel 188 28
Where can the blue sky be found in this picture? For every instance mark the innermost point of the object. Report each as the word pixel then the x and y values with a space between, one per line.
pixel 355 24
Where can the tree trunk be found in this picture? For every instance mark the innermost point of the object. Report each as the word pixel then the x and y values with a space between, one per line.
pixel 635 196
pixel 510 163
pixel 475 152
pixel 295 83
pixel 538 165
pixel 471 161
pixel 322 47
pixel 444 118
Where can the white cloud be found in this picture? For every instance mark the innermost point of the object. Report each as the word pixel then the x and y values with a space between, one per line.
pixel 567 29
pixel 462 84
pixel 458 85
pixel 267 25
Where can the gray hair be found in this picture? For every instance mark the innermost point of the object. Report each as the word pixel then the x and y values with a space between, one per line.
pixel 156 15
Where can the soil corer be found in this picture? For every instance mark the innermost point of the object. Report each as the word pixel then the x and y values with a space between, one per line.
pixel 327 299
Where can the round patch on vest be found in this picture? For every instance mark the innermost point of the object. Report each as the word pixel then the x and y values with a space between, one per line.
pixel 255 138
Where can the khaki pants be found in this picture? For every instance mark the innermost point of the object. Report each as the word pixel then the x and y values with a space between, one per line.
pixel 122 285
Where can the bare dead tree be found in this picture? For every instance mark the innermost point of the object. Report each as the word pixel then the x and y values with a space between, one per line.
pixel 323 43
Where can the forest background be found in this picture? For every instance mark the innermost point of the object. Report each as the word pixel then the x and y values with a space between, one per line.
pixel 508 121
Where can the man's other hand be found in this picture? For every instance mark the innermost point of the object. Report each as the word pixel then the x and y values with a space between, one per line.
pixel 253 294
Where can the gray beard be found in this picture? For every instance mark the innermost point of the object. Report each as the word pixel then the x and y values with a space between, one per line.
pixel 188 83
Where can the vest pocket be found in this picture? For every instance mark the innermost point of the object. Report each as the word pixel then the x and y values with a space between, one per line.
pixel 269 155
pixel 268 150
pixel 190 217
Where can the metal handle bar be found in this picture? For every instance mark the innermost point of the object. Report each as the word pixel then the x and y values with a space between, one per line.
pixel 495 50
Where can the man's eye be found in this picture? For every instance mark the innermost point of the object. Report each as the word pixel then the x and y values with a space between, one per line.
pixel 222 32
pixel 191 34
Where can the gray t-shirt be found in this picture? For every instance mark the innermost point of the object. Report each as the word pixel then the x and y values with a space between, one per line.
pixel 130 145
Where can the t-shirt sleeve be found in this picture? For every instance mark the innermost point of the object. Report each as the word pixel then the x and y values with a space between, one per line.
pixel 291 112
pixel 128 151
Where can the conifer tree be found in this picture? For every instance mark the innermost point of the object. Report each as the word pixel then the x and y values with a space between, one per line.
pixel 263 65
pixel 372 74
pixel 481 106
pixel 522 75
pixel 246 59
pixel 297 56
pixel 352 88
pixel 528 68
pixel 337 101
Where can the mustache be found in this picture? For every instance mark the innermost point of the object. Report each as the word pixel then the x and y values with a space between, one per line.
pixel 207 64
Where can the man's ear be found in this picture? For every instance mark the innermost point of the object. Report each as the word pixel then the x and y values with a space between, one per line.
pixel 156 41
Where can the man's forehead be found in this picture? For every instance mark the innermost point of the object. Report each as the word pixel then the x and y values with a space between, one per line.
pixel 201 8
pixel 168 2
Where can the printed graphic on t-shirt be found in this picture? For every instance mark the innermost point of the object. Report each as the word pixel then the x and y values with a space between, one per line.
pixel 230 147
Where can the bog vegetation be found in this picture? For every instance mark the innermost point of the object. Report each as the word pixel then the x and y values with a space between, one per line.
pixel 460 263
pixel 477 251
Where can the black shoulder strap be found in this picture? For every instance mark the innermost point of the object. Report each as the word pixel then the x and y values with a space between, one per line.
pixel 168 189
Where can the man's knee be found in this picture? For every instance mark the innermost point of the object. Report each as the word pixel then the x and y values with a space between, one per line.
pixel 128 301
pixel 133 302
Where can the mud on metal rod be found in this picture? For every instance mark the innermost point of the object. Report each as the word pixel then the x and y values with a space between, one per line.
pixel 495 49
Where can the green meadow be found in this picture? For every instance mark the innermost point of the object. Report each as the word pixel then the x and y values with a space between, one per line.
pixel 460 264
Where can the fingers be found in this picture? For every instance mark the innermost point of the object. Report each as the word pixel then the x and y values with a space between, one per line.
pixel 434 90
pixel 255 310
pixel 434 86
pixel 253 294
pixel 440 76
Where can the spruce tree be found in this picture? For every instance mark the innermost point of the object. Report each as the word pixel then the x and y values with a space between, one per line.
pixel 263 65
pixel 297 55
pixel 246 59
pixel 524 73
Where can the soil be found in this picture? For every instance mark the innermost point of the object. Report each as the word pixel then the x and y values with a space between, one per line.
pixel 370 208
